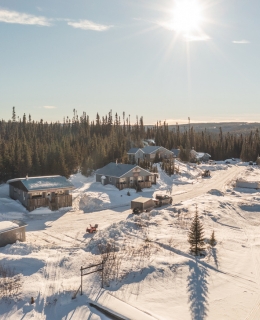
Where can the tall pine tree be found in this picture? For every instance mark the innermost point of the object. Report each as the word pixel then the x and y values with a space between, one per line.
pixel 196 235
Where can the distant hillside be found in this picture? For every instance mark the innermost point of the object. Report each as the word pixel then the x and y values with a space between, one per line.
pixel 232 127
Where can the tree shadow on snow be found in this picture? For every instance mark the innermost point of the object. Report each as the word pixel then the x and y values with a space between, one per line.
pixel 215 256
pixel 197 290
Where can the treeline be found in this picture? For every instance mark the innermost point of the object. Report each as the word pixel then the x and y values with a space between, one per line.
pixel 41 148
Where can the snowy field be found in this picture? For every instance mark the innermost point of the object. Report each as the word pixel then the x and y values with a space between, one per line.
pixel 153 275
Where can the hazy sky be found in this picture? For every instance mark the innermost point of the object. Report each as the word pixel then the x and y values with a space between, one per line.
pixel 157 59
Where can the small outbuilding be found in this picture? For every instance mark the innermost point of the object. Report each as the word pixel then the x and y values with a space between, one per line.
pixel 47 191
pixel 11 231
pixel 142 204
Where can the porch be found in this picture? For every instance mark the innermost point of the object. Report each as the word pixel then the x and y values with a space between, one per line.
pixel 56 202
pixel 132 185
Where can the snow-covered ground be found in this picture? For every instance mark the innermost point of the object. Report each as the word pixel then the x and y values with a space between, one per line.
pixel 155 276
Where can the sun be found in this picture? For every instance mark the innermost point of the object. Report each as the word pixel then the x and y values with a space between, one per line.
pixel 187 16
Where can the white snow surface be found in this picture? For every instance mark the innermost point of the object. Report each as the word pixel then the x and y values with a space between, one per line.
pixel 7 225
pixel 158 278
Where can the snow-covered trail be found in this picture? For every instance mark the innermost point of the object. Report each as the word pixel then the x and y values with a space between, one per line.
pixel 217 181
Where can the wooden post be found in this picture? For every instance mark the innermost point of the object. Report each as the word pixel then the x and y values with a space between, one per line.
pixel 102 285
pixel 81 281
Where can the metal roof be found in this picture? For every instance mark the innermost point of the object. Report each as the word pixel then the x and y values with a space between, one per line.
pixel 116 170
pixel 44 183
pixel 134 150
pixel 150 149
pixel 176 152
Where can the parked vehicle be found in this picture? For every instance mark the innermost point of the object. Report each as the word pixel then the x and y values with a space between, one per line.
pixel 92 229
pixel 137 210
pixel 250 163
pixel 205 174
pixel 161 199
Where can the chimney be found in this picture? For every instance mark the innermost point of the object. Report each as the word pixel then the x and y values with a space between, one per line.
pixel 26 177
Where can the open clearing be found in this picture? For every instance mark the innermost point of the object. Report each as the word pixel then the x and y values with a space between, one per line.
pixel 157 278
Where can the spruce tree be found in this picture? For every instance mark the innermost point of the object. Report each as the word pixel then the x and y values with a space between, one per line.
pixel 212 240
pixel 196 235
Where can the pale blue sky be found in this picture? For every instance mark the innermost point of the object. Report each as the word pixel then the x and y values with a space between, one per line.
pixel 100 55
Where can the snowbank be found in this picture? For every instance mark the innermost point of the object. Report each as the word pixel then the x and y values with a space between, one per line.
pixel 241 183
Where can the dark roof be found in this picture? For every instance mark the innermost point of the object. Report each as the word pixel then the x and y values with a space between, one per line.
pixel 117 170
pixel 150 149
pixel 41 183
pixel 176 152
pixel 134 150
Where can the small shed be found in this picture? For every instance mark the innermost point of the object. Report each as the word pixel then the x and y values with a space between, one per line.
pixel 11 231
pixel 142 203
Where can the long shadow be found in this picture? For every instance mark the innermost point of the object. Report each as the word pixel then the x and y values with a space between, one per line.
pixel 215 256
pixel 189 256
pixel 197 290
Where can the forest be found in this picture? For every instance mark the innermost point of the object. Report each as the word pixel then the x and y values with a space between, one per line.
pixel 34 148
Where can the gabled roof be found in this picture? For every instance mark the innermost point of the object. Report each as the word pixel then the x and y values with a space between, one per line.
pixel 134 150
pixel 42 183
pixel 150 149
pixel 117 170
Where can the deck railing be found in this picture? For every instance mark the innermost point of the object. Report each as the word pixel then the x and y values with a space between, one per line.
pixel 142 184
pixel 55 203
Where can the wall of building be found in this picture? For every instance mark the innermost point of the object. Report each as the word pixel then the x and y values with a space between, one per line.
pixel 11 236
pixel 18 194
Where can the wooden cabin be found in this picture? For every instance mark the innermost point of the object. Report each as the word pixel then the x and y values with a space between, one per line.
pixel 36 192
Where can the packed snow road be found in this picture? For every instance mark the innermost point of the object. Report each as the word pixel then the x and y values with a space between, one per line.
pixel 217 181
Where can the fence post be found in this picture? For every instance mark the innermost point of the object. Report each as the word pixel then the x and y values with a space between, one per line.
pixel 81 281
pixel 102 285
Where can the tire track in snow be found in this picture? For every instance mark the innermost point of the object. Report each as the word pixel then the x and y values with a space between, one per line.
pixel 51 282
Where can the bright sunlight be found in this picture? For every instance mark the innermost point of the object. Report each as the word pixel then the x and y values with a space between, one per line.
pixel 187 16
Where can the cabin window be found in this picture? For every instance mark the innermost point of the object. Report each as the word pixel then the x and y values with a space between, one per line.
pixel 110 179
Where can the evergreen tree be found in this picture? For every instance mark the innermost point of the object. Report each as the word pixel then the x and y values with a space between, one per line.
pixel 196 235
pixel 212 240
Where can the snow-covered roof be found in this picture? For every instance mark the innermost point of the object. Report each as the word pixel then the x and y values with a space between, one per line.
pixel 134 150
pixel 117 169
pixel 141 200
pixel 7 225
pixel 43 183
pixel 200 155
